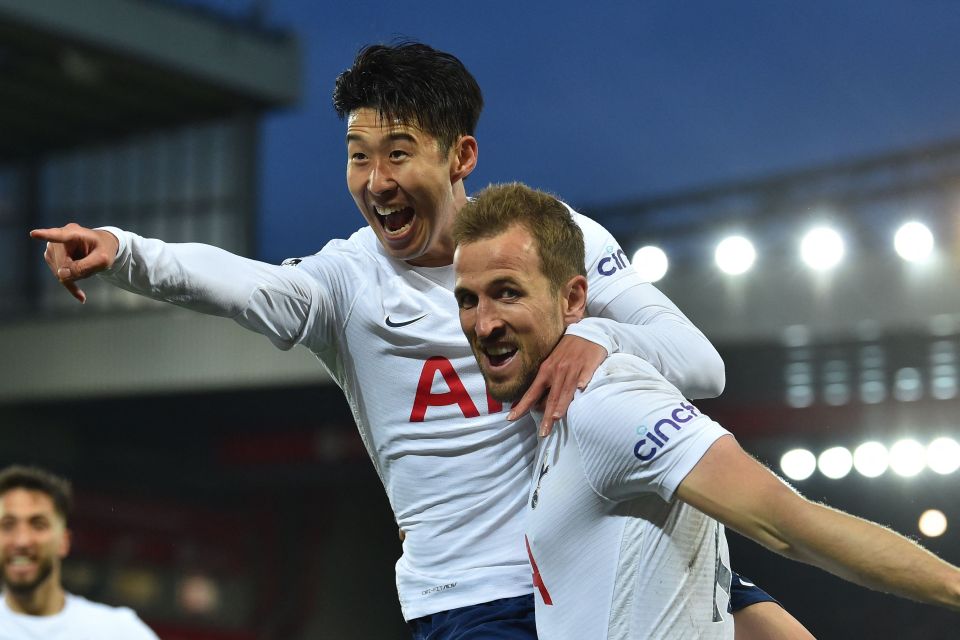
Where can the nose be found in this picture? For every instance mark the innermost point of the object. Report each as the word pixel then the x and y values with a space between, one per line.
pixel 20 536
pixel 488 322
pixel 381 179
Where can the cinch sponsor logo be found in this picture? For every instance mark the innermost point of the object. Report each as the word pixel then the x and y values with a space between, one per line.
pixel 612 263
pixel 656 438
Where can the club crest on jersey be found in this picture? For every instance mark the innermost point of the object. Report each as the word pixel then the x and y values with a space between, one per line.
pixel 535 498
pixel 615 260
pixel 656 438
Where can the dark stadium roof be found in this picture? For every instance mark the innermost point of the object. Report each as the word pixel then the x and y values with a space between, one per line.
pixel 73 73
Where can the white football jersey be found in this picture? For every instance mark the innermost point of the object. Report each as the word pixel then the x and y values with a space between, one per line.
pixel 80 619
pixel 455 470
pixel 614 555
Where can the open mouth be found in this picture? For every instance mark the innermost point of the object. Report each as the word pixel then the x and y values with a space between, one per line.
pixel 499 355
pixel 395 220
pixel 21 564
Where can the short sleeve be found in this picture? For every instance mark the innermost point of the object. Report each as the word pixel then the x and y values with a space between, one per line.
pixel 637 434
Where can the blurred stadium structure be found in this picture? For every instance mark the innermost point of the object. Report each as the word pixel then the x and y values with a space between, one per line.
pixel 223 491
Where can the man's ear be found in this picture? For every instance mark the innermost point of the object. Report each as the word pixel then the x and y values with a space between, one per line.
pixel 574 299
pixel 463 158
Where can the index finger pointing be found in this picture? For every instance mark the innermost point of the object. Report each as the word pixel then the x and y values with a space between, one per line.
pixel 50 235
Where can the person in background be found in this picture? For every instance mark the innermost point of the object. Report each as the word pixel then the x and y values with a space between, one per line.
pixel 35 509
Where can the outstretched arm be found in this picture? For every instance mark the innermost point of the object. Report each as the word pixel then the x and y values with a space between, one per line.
pixel 729 485
pixel 278 302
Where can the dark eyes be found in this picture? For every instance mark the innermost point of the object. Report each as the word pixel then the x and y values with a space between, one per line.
pixel 469 300
pixel 396 154
pixel 508 293
pixel 37 524
pixel 466 300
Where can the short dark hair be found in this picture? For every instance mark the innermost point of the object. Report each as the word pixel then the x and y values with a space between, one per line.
pixel 413 83
pixel 37 479
pixel 498 207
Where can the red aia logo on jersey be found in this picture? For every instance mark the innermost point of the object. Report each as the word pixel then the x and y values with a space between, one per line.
pixel 537 578
pixel 456 393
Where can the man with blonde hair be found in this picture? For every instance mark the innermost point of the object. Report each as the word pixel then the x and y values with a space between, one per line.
pixel 631 491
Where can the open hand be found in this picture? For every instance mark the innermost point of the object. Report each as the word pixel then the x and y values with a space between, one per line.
pixel 569 367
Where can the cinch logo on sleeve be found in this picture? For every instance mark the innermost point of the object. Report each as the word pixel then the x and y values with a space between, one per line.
pixel 656 438
pixel 612 263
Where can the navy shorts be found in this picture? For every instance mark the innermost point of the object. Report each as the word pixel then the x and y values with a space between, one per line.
pixel 744 593
pixel 504 619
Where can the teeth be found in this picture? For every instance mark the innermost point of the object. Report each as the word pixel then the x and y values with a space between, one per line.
pixel 20 560
pixel 399 231
pixel 500 350
pixel 385 211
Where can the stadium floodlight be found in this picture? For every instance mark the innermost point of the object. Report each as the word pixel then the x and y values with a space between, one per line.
pixel 822 249
pixel 651 263
pixel 871 459
pixel 835 462
pixel 913 242
pixel 908 458
pixel 735 255
pixel 943 455
pixel 798 464
pixel 932 523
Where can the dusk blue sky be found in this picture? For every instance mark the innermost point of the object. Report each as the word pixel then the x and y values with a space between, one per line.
pixel 626 99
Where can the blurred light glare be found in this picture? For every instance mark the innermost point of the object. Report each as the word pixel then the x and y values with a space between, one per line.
pixel 822 249
pixel 932 523
pixel 943 455
pixel 913 242
pixel 735 255
pixel 198 594
pixel 835 462
pixel 871 459
pixel 798 464
pixel 908 458
pixel 651 263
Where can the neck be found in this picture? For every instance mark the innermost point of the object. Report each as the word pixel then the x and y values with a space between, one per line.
pixel 47 599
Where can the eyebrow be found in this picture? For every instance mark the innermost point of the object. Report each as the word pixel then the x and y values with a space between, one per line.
pixel 502 281
pixel 393 136
pixel 499 282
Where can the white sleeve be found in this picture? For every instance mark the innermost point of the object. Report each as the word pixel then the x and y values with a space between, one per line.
pixel 285 303
pixel 627 315
pixel 637 435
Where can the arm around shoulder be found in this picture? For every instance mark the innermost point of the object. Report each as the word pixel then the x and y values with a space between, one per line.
pixel 629 315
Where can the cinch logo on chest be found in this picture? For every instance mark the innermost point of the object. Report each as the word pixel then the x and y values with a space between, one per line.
pixel 647 448
pixel 456 393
